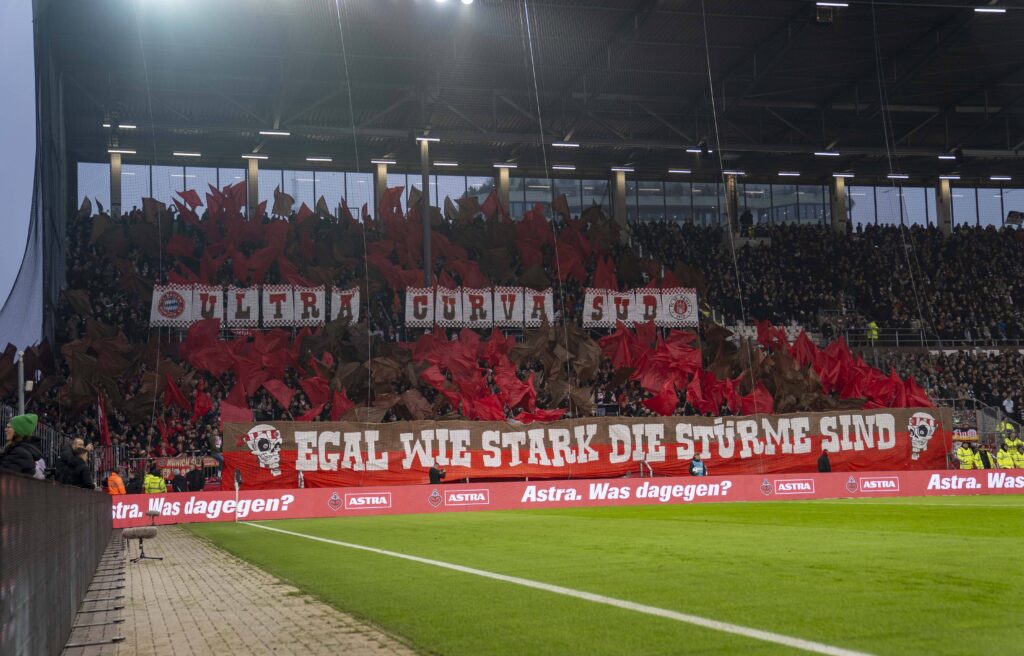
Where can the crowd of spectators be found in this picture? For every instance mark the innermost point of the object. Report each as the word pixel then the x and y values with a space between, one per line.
pixel 971 283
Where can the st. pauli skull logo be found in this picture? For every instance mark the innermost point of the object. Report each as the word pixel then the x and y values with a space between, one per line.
pixel 265 443
pixel 921 428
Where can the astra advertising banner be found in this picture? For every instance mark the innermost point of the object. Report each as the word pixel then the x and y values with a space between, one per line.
pixel 330 454
pixel 252 505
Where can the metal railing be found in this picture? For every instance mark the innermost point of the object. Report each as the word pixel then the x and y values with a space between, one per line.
pixel 913 337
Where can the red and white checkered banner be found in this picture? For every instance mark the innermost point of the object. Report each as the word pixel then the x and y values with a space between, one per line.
pixel 207 302
pixel 345 304
pixel 171 306
pixel 669 308
pixel 508 306
pixel 477 308
pixel 243 307
pixel 278 306
pixel 448 307
pixel 540 308
pixel 419 307
pixel 310 306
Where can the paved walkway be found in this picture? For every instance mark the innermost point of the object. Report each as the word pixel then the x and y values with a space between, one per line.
pixel 201 600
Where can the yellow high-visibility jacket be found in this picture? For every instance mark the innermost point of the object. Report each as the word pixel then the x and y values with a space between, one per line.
pixel 966 458
pixel 154 484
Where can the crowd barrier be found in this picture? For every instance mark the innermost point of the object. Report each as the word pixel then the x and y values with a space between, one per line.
pixel 51 541
pixel 183 508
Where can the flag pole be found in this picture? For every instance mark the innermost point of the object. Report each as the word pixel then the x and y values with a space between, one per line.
pixel 21 382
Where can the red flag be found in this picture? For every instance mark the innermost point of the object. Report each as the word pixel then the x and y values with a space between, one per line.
pixel 281 392
pixel 664 402
pixel 490 206
pixel 230 413
pixel 180 246
pixel 101 412
pixel 758 401
pixel 191 198
pixel 916 397
pixel 317 389
pixel 540 415
pixel 340 404
pixel 203 405
pixel 313 414
pixel 173 395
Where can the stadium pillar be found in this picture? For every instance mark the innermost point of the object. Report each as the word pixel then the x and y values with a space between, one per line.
pixel 839 205
pixel 732 202
pixel 428 263
pixel 380 184
pixel 619 198
pixel 115 185
pixel 943 207
pixel 252 188
pixel 503 189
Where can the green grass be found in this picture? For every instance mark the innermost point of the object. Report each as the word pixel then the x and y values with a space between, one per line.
pixel 902 576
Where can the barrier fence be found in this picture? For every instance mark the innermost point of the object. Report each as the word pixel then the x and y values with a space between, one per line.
pixel 52 540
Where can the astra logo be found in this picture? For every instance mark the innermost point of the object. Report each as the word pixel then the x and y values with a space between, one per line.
pixel 467 497
pixel 367 501
pixel 796 486
pixel 880 484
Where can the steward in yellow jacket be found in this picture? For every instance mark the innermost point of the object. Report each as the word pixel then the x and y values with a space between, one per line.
pixel 1005 457
pixel 965 456
pixel 154 483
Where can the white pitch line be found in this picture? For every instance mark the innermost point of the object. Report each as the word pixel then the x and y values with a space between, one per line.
pixel 881 504
pixel 715 625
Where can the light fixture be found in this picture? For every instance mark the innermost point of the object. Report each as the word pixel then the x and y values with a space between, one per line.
pixel 1000 178
pixel 989 10
pixel 183 153
pixel 565 144
pixel 826 153
pixel 428 138
pixel 698 151
pixel 446 163
pixel 382 161
pixel 789 174
pixel 120 151
pixel 319 159
pixel 538 186
pixel 681 171
pixel 833 4
pixel 734 172
pixel 564 167
pixel 655 189
pixel 123 126
pixel 467 2
pixel 897 176
pixel 623 169
pixel 275 133
pixel 947 156
pixel 255 157
pixel 842 175
pixel 949 177
pixel 505 165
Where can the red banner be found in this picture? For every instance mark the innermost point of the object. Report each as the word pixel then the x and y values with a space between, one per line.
pixel 332 454
pixel 182 508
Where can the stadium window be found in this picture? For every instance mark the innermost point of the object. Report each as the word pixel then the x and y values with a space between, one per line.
pixel 479 187
pixel 299 185
pixel 571 189
pixel 538 190
pixel 705 203
pixel 785 204
pixel 330 185
pixel 359 192
pixel 650 200
pixel 399 180
pixel 94 184
pixel 812 202
pixel 678 202
pixel 517 197
pixel 990 207
pixel 595 192
pixel 965 206
pixel 632 213
pixel 914 205
pixel 933 215
pixel 888 205
pixel 861 201
pixel 199 179
pixel 1013 201
pixel 166 181
pixel 134 186
pixel 757 198
pixel 270 179
pixel 449 186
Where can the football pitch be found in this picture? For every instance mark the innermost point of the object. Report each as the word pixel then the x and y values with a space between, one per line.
pixel 900 576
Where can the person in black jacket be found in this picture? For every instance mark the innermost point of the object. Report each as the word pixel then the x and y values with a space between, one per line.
pixel 22 450
pixel 178 482
pixel 824 464
pixel 134 484
pixel 78 472
pixel 67 457
pixel 196 479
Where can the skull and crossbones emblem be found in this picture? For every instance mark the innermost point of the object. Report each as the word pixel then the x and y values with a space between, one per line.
pixel 265 443
pixel 922 427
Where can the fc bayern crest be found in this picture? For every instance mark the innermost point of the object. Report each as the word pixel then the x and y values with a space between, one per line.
pixel 767 488
pixel 172 305
pixel 679 308
pixel 851 485
pixel 435 498
pixel 334 502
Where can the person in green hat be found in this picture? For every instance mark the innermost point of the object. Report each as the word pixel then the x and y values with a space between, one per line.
pixel 23 451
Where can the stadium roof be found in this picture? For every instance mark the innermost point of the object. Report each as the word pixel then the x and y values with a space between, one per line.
pixel 627 80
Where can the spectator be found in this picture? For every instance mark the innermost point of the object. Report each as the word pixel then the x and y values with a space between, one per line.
pixel 134 485
pixel 824 465
pixel 697 466
pixel 22 453
pixel 68 459
pixel 178 482
pixel 154 483
pixel 77 472
pixel 195 478
pixel 115 484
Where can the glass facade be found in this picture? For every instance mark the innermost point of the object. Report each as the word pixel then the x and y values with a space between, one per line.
pixel 701 203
